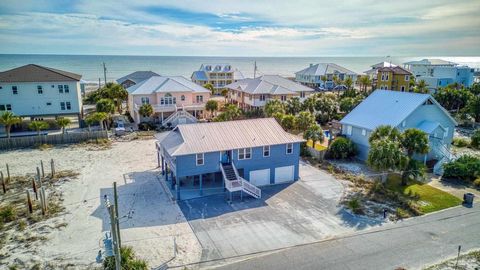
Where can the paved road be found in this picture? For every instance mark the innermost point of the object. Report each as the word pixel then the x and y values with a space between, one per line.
pixel 411 244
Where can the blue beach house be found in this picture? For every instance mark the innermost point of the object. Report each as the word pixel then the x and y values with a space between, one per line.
pixel 236 156
pixel 402 110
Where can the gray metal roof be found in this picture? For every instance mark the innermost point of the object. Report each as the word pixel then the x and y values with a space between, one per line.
pixel 137 76
pixel 324 69
pixel 269 84
pixel 165 84
pixel 385 107
pixel 220 136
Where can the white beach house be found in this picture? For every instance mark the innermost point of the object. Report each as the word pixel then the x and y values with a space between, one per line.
pixel 217 74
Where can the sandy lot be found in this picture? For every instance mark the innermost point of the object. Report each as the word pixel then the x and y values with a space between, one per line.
pixel 150 221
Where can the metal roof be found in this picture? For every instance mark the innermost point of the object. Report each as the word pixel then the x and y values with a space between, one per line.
pixel 199 75
pixel 269 84
pixel 323 69
pixel 37 73
pixel 395 70
pixel 137 76
pixel 189 139
pixel 386 107
pixel 429 126
pixel 431 62
pixel 156 84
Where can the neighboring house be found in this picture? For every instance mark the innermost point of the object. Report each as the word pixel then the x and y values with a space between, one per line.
pixel 372 73
pixel 440 73
pixel 38 92
pixel 240 155
pixel 402 110
pixel 312 75
pixel 218 75
pixel 254 93
pixel 393 78
pixel 135 77
pixel 174 100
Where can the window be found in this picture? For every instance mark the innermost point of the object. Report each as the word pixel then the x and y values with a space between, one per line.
pixel 349 130
pixel 65 87
pixel 262 97
pixel 49 103
pixel 302 94
pixel 283 98
pixel 62 106
pixel 9 107
pixel 403 88
pixel 69 106
pixel 182 98
pixel 2 107
pixel 14 90
pixel 407 78
pixel 200 159
pixel 146 100
pixel 1 87
pixel 60 89
pixel 39 89
pixel 364 132
pixel 386 77
pixel 244 153
pixel 266 151
pixel 199 99
pixel 289 148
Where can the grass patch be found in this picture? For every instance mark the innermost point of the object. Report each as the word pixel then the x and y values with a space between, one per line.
pixel 426 198
pixel 318 146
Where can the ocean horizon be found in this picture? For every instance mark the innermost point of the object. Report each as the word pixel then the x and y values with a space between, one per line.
pixel 91 66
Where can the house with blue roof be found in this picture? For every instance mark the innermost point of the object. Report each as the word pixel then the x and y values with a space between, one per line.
pixel 216 74
pixel 236 156
pixel 402 110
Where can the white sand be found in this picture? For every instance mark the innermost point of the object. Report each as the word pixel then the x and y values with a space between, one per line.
pixel 151 220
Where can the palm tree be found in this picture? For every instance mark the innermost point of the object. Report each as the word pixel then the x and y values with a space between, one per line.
pixel 225 94
pixel 309 103
pixel 38 126
pixel 384 132
pixel 89 120
pixel 117 94
pixel 274 106
pixel 414 141
pixel 348 83
pixel 105 105
pixel 305 120
pixel 314 133
pixel 8 119
pixel 422 87
pixel 146 110
pixel 210 87
pixel 63 123
pixel 365 81
pixel 232 112
pixel 324 80
pixel 293 105
pixel 288 122
pixel 212 106
pixel 386 155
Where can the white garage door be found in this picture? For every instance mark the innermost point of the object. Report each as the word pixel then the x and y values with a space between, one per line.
pixel 284 174
pixel 260 177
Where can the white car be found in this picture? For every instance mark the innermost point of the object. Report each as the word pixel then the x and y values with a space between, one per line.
pixel 120 129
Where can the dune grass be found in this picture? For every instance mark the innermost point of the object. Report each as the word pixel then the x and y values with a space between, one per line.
pixel 426 198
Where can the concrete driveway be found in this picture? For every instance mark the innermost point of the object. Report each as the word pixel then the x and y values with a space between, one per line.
pixel 286 215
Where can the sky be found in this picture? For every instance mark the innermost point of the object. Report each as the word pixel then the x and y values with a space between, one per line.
pixel 242 27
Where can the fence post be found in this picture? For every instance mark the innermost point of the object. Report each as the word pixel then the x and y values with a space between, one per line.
pixel 8 174
pixel 34 186
pixel 52 167
pixel 43 170
pixel 3 183
pixel 29 202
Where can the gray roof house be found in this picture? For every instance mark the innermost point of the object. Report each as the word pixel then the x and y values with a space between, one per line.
pixel 254 93
pixel 135 77
pixel 312 75
pixel 217 74
pixel 402 110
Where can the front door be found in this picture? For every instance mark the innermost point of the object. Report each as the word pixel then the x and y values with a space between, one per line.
pixel 226 157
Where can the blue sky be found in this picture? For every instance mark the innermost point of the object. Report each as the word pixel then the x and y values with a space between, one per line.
pixel 242 28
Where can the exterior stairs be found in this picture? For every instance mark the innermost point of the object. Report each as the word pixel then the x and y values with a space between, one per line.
pixel 179 117
pixel 233 182
pixel 444 155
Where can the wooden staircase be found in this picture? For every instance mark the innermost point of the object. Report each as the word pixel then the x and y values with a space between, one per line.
pixel 233 182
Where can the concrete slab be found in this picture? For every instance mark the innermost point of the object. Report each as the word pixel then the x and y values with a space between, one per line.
pixel 286 215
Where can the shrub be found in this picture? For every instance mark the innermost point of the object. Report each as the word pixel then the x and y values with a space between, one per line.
pixel 8 214
pixel 146 126
pixel 476 183
pixel 460 142
pixel 475 143
pixel 128 259
pixel 465 168
pixel 355 205
pixel 341 148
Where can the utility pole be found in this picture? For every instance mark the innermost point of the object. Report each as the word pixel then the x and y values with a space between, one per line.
pixel 105 73
pixel 115 201
pixel 116 247
pixel 255 69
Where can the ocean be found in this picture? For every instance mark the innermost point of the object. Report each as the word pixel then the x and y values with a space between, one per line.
pixel 91 66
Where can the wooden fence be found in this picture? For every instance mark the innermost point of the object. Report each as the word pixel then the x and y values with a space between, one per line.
pixel 29 141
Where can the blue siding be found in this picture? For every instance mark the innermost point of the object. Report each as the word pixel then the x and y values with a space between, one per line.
pixel 186 165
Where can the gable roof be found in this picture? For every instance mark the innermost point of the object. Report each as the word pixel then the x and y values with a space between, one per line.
pixel 431 62
pixel 37 73
pixel 156 84
pixel 199 75
pixel 395 70
pixel 269 84
pixel 386 107
pixel 216 67
pixel 189 139
pixel 323 69
pixel 137 76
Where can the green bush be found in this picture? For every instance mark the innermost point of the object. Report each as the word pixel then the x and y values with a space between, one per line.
pixel 355 205
pixel 475 143
pixel 476 183
pixel 465 168
pixel 460 142
pixel 341 148
pixel 8 214
pixel 129 260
